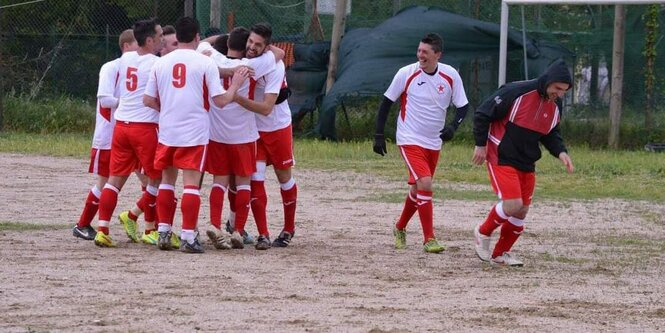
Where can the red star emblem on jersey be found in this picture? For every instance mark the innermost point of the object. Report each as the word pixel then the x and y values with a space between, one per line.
pixel 440 88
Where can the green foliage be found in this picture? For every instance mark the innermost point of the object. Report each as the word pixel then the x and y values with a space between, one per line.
pixel 48 116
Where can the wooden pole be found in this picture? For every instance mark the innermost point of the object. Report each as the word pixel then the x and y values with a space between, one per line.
pixel 189 8
pixel 215 13
pixel 337 33
pixel 616 98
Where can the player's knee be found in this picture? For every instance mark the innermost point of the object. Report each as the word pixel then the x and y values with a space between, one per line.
pixel 513 207
pixel 424 184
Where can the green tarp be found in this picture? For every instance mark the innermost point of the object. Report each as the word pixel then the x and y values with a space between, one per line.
pixel 370 57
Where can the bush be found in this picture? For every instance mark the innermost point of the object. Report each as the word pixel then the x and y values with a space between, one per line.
pixel 48 116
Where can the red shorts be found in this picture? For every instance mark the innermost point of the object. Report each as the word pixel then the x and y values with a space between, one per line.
pixel 231 159
pixel 510 183
pixel 134 144
pixel 100 161
pixel 185 158
pixel 276 148
pixel 421 162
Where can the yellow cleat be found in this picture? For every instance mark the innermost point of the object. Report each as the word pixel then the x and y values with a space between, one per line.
pixel 151 238
pixel 400 239
pixel 104 240
pixel 129 225
pixel 175 241
pixel 432 246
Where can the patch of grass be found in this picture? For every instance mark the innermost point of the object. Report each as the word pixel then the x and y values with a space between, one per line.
pixel 631 175
pixel 561 259
pixel 60 145
pixel 23 226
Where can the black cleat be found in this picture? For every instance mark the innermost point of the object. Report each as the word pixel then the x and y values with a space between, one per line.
pixel 164 241
pixel 87 232
pixel 283 239
pixel 194 247
pixel 262 243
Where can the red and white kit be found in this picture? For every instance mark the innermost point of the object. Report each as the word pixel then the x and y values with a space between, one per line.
pixel 183 81
pixel 135 134
pixel 100 154
pixel 275 145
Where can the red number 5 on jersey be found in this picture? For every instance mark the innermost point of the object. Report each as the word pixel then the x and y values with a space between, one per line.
pixel 179 75
pixel 132 81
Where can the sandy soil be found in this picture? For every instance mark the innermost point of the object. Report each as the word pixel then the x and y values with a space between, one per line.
pixel 590 266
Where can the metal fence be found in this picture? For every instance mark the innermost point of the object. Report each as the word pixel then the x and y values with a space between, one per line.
pixel 52 47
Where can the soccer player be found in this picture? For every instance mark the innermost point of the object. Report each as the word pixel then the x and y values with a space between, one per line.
pixel 232 150
pixel 508 128
pixel 134 135
pixel 275 144
pixel 100 154
pixel 179 86
pixel 425 89
pixel 169 41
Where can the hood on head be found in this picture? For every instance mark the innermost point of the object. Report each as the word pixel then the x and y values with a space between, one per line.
pixel 557 72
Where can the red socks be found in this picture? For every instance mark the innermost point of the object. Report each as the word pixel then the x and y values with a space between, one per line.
pixel 495 219
pixel 410 208
pixel 425 212
pixel 166 203
pixel 509 234
pixel 258 202
pixel 90 208
pixel 216 205
pixel 107 203
pixel 242 197
pixel 289 191
pixel 191 202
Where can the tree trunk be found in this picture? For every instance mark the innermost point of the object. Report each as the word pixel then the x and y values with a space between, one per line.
pixel 338 31
pixel 616 98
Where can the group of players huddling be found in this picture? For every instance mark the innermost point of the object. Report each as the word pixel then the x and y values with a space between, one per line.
pixel 219 106
pixel 216 105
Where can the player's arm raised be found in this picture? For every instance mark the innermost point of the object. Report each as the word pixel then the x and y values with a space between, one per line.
pixel 236 81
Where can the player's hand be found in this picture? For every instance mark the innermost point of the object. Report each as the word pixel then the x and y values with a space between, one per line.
pixel 206 53
pixel 479 155
pixel 380 144
pixel 447 133
pixel 243 68
pixel 565 159
pixel 239 78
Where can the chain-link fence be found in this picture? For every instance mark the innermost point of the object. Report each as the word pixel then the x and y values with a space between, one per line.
pixel 52 47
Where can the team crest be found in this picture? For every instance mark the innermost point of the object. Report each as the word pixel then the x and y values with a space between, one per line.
pixel 439 89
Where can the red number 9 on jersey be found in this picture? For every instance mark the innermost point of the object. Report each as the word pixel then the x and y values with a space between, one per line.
pixel 179 75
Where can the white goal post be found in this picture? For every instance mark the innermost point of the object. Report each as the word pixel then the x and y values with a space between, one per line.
pixel 503 41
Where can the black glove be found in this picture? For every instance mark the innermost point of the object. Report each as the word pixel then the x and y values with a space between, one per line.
pixel 447 133
pixel 380 144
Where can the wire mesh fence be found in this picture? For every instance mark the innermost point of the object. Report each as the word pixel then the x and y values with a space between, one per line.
pixel 54 47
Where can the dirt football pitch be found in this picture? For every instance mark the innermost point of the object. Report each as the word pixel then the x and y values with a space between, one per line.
pixel 590 266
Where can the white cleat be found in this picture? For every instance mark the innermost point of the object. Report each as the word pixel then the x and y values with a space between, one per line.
pixel 482 244
pixel 507 259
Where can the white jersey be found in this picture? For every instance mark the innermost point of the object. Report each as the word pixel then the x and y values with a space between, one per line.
pixel 104 121
pixel 234 124
pixel 183 81
pixel 134 72
pixel 272 83
pixel 424 100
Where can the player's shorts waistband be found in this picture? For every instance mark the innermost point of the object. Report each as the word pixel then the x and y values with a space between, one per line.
pixel 135 123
